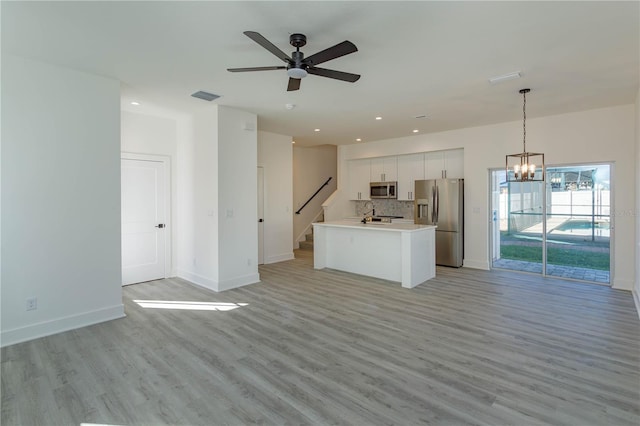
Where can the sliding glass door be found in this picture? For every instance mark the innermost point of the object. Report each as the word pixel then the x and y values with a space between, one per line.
pixel 578 222
pixel 518 224
pixel 559 227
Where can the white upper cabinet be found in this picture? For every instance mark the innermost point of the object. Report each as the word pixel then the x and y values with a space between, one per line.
pixel 404 169
pixel 454 164
pixel 384 169
pixel 444 164
pixel 434 165
pixel 359 179
pixel 410 169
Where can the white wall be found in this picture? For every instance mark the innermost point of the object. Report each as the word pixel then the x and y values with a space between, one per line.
pixel 185 197
pixel 238 197
pixel 213 161
pixel 217 214
pixel 595 136
pixel 275 156
pixel 198 201
pixel 60 199
pixel 312 166
pixel 149 134
pixel 636 290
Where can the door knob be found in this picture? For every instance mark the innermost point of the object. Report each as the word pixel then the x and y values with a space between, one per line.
pixel 260 220
pixel 160 225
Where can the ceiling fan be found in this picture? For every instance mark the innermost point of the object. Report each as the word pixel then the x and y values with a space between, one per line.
pixel 297 65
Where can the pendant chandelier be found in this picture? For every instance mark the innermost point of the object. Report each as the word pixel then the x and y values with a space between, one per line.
pixel 526 166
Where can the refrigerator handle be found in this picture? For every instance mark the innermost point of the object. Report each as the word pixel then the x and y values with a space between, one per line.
pixel 437 203
pixel 433 204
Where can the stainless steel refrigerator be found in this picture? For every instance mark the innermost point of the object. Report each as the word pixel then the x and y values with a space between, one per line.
pixel 440 202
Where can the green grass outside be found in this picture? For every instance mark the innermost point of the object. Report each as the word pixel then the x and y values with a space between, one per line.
pixel 556 256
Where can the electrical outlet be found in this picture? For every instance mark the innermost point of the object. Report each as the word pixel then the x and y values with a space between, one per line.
pixel 32 304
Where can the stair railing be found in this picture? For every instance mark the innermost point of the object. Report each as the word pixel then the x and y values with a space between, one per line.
pixel 316 193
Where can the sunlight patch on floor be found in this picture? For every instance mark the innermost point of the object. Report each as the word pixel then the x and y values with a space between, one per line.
pixel 192 306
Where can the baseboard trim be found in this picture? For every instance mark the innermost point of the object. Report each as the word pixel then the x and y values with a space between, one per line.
pixel 636 300
pixel 60 325
pixel 218 286
pixel 621 284
pixel 238 282
pixel 476 264
pixel 198 280
pixel 279 258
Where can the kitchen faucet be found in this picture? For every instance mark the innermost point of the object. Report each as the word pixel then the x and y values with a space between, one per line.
pixel 372 210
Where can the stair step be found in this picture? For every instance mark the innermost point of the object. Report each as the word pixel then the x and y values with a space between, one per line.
pixel 306 245
pixel 309 237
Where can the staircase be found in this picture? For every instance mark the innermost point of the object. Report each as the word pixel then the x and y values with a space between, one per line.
pixel 307 244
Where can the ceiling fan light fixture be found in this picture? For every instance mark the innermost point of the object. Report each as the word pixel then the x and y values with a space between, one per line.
pixel 298 73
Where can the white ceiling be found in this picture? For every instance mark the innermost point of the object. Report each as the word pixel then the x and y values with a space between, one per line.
pixel 415 58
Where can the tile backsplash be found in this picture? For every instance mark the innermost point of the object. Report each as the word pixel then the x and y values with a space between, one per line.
pixel 386 208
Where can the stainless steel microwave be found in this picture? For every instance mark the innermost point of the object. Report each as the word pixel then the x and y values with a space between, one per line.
pixel 383 190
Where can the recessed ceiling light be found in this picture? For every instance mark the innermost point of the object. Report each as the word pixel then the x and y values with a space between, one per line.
pixel 135 103
pixel 358 140
pixel 415 130
pixel 505 77
pixel 378 118
pixel 293 141
pixel 316 130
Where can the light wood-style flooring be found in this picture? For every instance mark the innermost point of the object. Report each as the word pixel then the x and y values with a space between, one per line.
pixel 328 347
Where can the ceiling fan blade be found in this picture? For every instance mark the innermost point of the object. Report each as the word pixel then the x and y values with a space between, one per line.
pixel 338 75
pixel 258 38
pixel 256 69
pixel 330 53
pixel 294 84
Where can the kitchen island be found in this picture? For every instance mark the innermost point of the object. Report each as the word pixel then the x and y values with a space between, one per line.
pixel 401 252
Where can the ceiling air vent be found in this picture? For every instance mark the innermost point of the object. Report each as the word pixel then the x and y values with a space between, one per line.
pixel 205 95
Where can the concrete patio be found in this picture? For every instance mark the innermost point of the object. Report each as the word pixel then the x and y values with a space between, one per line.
pixel 583 274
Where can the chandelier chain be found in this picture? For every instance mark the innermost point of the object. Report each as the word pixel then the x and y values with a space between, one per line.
pixel 524 122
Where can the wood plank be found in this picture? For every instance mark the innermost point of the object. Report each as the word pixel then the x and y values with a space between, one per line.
pixel 329 347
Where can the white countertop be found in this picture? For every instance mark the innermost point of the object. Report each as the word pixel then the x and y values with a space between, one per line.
pixel 375 226
pixel 394 220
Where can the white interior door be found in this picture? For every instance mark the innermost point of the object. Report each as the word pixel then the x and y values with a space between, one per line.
pixel 144 195
pixel 260 215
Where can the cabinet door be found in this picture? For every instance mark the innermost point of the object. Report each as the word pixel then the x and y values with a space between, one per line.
pixel 390 169
pixel 377 170
pixel 410 169
pixel 454 163
pixel 359 171
pixel 384 169
pixel 434 165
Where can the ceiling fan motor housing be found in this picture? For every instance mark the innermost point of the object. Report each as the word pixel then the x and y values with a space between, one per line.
pixel 297 40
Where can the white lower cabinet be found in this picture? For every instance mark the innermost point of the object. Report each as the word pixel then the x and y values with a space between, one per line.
pixel 410 169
